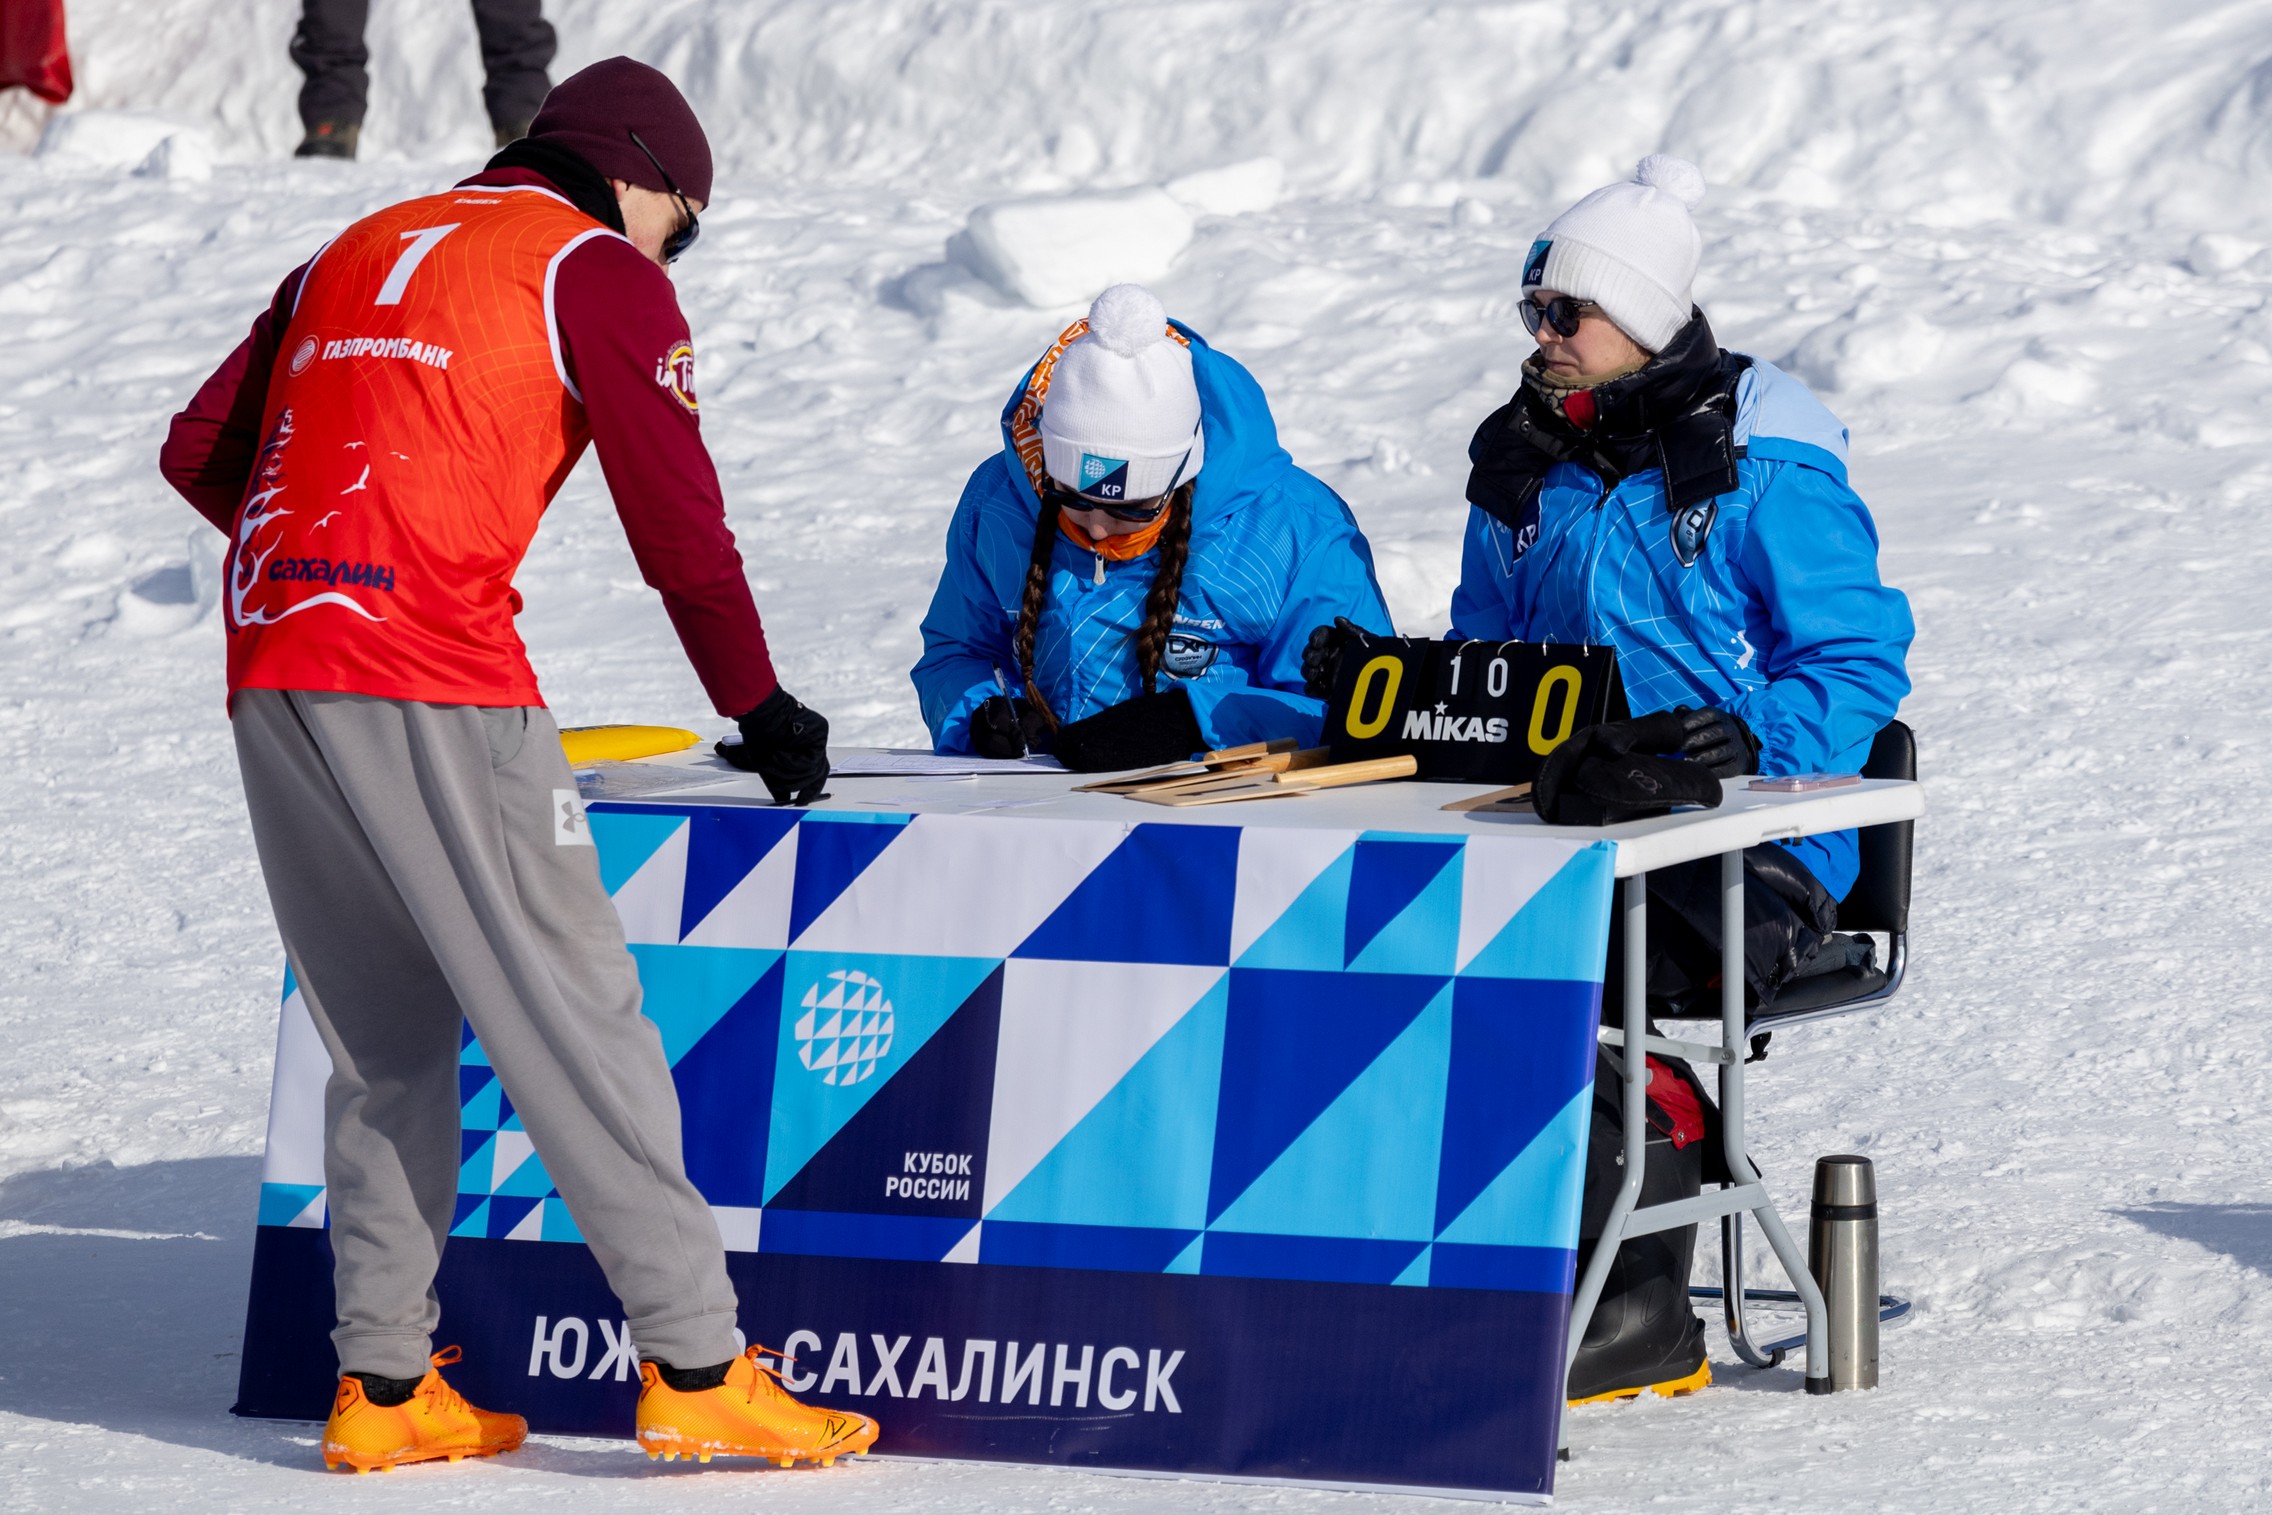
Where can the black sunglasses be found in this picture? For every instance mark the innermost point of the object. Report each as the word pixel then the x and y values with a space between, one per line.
pixel 1138 511
pixel 676 244
pixel 1563 313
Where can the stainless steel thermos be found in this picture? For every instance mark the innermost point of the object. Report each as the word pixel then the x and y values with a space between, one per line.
pixel 1842 1253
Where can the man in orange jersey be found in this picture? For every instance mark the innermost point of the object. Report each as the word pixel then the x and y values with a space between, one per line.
pixel 380 450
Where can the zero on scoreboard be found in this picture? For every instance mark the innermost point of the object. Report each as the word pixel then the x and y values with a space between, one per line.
pixel 1473 712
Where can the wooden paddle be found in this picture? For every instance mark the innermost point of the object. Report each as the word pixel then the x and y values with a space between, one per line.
pixel 1277 785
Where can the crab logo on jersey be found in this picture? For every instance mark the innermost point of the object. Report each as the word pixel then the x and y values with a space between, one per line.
pixel 845 1048
pixel 674 371
pixel 303 355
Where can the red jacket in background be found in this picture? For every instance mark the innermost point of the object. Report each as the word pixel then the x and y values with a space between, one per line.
pixel 32 51
pixel 622 346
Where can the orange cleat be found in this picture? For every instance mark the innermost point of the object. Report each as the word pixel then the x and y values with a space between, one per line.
pixel 434 1422
pixel 749 1415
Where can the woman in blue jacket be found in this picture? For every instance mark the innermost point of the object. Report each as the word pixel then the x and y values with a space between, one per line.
pixel 1649 491
pixel 1133 577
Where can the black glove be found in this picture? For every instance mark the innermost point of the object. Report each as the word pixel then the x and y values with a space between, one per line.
pixel 784 744
pixel 1321 659
pixel 1008 726
pixel 1140 733
pixel 1610 772
pixel 1719 740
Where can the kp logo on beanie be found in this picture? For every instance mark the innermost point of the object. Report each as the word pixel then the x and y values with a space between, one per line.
pixel 1534 267
pixel 1106 478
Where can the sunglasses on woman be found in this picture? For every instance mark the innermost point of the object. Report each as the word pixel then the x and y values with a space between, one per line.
pixel 1138 511
pixel 682 237
pixel 1563 313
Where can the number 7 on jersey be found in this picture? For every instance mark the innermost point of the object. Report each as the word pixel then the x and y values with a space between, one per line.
pixel 421 243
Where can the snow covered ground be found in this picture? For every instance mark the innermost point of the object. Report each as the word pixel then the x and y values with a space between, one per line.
pixel 2022 251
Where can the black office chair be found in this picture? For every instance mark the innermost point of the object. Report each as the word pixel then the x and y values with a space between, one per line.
pixel 1846 975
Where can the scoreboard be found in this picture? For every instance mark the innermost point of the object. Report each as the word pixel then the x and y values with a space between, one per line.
pixel 1470 712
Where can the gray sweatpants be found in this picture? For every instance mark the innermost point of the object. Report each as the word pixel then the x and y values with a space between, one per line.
pixel 425 864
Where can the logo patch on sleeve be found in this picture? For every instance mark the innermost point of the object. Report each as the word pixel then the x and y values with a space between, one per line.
pixel 1106 478
pixel 1534 267
pixel 674 371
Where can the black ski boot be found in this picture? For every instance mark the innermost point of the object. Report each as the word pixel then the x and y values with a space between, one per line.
pixel 1643 1334
pixel 329 139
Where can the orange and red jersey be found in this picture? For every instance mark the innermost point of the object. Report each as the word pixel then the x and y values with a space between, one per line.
pixel 388 437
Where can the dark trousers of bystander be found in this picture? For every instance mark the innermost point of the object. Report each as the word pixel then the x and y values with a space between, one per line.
pixel 517 44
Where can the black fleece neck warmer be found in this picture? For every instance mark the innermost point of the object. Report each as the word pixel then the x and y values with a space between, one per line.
pixel 585 187
pixel 1676 413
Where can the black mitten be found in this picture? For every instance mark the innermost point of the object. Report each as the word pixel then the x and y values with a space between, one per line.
pixel 785 744
pixel 1006 726
pixel 1140 733
pixel 1321 659
pixel 1610 772
pixel 1719 740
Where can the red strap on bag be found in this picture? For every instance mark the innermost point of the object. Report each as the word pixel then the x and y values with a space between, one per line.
pixel 32 51
pixel 1675 1100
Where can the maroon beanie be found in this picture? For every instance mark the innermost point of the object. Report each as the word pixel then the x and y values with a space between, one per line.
pixel 594 111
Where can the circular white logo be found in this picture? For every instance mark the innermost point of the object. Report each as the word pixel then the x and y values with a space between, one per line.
pixel 304 354
pixel 844 1048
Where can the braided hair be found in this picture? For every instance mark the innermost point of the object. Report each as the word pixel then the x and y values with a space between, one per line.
pixel 1167 589
pixel 1036 595
pixel 1159 603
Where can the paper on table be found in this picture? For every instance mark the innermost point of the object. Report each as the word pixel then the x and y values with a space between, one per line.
pixel 901 762
pixel 608 780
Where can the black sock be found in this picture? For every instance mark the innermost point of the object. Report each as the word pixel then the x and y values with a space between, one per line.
pixel 387 1392
pixel 693 1380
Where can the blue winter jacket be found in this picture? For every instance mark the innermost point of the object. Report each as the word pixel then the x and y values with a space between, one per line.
pixel 1274 554
pixel 1782 619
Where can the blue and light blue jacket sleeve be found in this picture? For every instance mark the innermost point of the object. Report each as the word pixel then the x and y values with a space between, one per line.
pixel 1837 638
pixel 965 640
pixel 1332 577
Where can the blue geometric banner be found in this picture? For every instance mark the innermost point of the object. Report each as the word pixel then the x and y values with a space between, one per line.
pixel 988 1056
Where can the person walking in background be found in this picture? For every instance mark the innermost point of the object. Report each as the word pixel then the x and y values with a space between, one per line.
pixel 380 450
pixel 517 45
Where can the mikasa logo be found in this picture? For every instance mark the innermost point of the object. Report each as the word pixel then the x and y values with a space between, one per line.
pixel 845 1047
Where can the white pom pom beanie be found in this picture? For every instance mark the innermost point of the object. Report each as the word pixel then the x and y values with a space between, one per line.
pixel 1631 248
pixel 1121 421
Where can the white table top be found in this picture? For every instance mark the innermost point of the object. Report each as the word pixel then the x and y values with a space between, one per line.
pixel 1745 817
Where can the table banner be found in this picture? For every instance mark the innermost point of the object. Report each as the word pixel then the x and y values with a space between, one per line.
pixel 1193 1147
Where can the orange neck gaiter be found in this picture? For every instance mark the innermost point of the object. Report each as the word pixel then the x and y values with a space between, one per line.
pixel 1121 548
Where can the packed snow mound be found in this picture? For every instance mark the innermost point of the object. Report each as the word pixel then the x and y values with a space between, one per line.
pixel 148 145
pixel 1060 249
pixel 1235 189
pixel 1944 110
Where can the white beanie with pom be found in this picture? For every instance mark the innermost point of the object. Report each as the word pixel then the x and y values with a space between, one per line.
pixel 1631 248
pixel 1121 421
